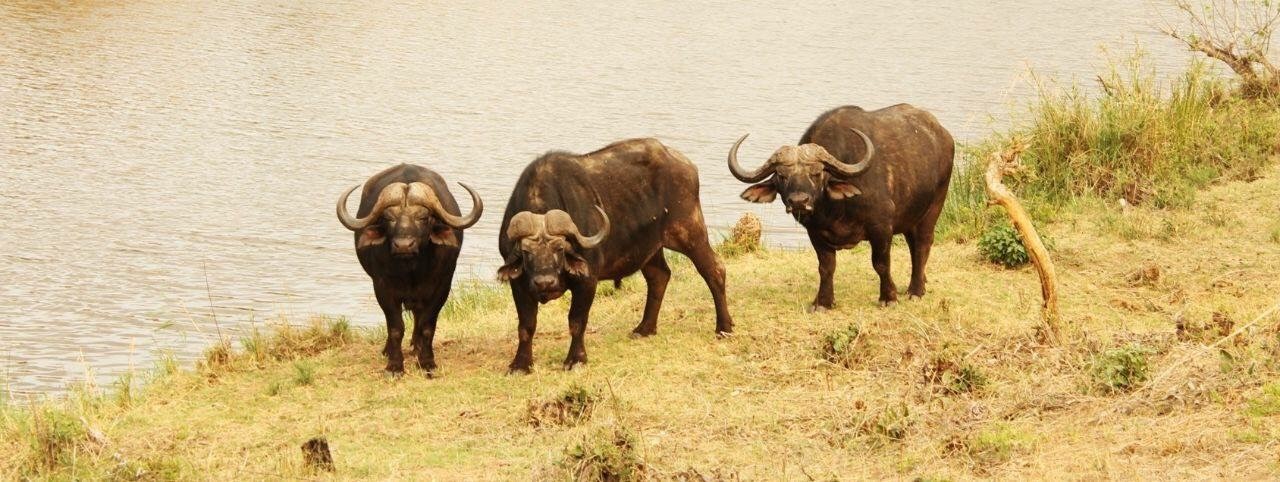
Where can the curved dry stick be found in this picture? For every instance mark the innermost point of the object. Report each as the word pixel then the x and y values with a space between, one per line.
pixel 999 194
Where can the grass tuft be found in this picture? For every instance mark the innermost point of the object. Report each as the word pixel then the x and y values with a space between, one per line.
pixel 606 455
pixel 950 374
pixel 571 406
pixel 994 445
pixel 743 239
pixel 304 373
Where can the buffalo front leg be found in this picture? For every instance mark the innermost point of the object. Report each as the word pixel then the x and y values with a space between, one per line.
pixel 395 330
pixel 527 311
pixel 881 242
pixel 656 275
pixel 424 324
pixel 825 299
pixel 583 296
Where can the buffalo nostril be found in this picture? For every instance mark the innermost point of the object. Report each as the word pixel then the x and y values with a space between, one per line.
pixel 544 282
pixel 405 245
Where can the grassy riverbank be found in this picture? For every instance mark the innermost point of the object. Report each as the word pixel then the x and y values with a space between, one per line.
pixel 1169 369
pixel 953 386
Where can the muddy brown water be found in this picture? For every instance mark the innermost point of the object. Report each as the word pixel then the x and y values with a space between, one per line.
pixel 157 158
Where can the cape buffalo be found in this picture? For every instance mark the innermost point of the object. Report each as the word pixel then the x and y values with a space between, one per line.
pixel 861 175
pixel 407 234
pixel 634 197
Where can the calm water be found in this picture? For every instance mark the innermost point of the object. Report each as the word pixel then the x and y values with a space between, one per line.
pixel 157 158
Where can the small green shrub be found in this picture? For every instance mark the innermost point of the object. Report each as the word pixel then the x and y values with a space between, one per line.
pixel 607 455
pixel 1120 369
pixel 844 347
pixel 1003 245
pixel 891 424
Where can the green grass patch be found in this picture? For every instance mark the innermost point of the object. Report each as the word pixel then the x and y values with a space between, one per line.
pixel 1267 404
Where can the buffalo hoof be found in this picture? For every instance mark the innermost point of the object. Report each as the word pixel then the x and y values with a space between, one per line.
pixel 428 368
pixel 722 335
pixel 519 369
pixel 816 308
pixel 913 297
pixel 887 303
pixel 571 365
pixel 638 334
pixel 394 373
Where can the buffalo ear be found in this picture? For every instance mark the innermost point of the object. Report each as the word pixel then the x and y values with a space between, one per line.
pixel 372 236
pixel 443 235
pixel 842 190
pixel 576 265
pixel 512 269
pixel 760 193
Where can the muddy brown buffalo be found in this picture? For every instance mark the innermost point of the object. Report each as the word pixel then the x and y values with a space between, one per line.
pixel 574 220
pixel 859 175
pixel 408 232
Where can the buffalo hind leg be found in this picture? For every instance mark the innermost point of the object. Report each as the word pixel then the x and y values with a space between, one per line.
pixel 527 311
pixel 881 242
pixel 920 245
pixel 583 296
pixel 920 239
pixel 692 242
pixel 656 275
pixel 395 330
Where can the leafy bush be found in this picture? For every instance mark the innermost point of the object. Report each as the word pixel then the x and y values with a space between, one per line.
pixel 1003 245
pixel 1120 369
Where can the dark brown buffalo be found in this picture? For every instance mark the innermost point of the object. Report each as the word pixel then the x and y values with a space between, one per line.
pixel 407 234
pixel 861 175
pixel 633 198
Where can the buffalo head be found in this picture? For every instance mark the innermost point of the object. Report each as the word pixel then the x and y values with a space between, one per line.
pixel 408 214
pixel 802 174
pixel 545 248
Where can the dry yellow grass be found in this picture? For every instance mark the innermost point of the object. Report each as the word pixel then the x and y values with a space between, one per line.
pixel 950 387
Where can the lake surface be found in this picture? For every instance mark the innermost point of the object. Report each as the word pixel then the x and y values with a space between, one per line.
pixel 161 158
